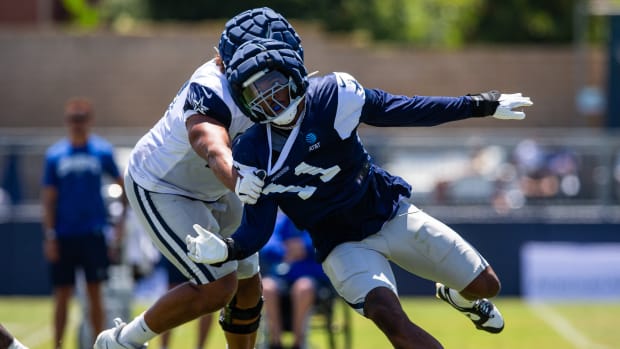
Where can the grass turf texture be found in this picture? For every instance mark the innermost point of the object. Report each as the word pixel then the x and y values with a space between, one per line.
pixel 573 325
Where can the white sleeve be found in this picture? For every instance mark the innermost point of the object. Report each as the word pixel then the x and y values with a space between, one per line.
pixel 351 98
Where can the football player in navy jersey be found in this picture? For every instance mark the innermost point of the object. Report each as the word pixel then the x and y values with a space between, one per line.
pixel 181 172
pixel 359 216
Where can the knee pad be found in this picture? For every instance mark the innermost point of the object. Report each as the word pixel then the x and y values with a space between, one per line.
pixel 230 313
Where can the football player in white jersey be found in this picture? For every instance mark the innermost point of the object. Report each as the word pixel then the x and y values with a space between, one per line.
pixel 359 216
pixel 180 173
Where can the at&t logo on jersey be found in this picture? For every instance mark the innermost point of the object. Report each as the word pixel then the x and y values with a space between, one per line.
pixel 311 139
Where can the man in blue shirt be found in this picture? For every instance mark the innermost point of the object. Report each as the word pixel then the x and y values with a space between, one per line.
pixel 288 267
pixel 360 217
pixel 74 213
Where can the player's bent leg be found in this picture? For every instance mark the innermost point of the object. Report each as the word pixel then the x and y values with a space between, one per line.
pixel 383 307
pixel 362 275
pixel 433 250
pixel 485 285
pixel 473 303
pixel 240 318
pixel 182 304
pixel 189 301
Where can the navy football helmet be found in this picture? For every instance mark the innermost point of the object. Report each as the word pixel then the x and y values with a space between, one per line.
pixel 268 81
pixel 260 22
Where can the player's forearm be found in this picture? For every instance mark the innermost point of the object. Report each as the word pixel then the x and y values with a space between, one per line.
pixel 211 142
pixel 221 163
pixel 384 109
pixel 254 232
pixel 239 248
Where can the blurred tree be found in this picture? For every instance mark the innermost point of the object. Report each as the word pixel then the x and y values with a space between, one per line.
pixel 419 22
pixel 191 10
pixel 82 13
pixel 527 21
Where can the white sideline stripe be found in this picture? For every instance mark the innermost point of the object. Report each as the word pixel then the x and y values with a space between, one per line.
pixel 563 327
pixel 44 334
pixel 37 338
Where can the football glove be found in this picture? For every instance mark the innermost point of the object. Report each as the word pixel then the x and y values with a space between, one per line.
pixel 250 182
pixel 206 247
pixel 499 105
pixel 507 102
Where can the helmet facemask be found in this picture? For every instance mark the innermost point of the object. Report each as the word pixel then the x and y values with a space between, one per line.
pixel 272 97
pixel 268 82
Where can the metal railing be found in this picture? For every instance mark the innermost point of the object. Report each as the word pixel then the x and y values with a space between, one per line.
pixel 461 173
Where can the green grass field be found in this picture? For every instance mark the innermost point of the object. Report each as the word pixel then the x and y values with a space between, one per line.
pixel 567 325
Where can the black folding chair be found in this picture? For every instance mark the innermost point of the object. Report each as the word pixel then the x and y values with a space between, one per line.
pixel 330 314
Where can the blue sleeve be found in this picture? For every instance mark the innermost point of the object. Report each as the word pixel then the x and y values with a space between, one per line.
pixel 384 109
pixel 255 230
pixel 109 165
pixel 49 172
pixel 205 101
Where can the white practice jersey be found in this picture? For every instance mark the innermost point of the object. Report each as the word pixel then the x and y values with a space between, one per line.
pixel 163 160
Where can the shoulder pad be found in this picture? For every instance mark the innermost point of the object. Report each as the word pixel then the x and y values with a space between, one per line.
pixel 203 100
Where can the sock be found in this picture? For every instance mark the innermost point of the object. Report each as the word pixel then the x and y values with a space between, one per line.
pixel 136 333
pixel 17 345
pixel 459 300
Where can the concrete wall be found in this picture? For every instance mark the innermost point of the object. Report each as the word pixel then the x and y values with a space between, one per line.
pixel 132 78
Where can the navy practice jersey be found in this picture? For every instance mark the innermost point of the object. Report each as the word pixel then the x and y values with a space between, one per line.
pixel 321 176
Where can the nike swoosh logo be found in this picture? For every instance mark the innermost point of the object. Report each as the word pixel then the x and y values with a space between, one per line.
pixel 341 82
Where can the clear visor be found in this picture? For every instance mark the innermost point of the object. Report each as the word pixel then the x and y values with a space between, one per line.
pixel 268 95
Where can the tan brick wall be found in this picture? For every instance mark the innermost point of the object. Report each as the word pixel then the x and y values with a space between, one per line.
pixel 132 78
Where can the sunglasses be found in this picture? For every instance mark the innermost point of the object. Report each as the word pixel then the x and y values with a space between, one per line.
pixel 78 117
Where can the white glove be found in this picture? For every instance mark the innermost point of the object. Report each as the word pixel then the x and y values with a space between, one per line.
pixel 250 183
pixel 507 102
pixel 206 247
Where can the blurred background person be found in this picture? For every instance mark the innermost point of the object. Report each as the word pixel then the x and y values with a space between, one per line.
pixel 75 215
pixel 8 341
pixel 290 273
pixel 175 278
pixel 545 172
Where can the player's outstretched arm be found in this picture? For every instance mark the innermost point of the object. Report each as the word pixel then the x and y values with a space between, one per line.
pixel 383 109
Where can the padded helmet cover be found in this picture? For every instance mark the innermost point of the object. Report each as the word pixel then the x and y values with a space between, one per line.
pixel 260 22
